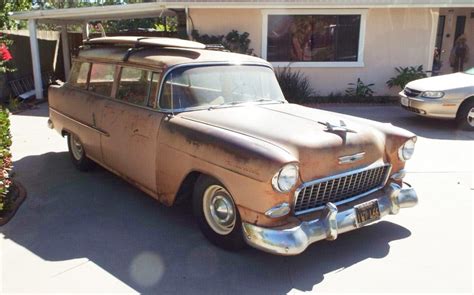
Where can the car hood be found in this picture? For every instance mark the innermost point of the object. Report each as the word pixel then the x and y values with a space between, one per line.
pixel 303 132
pixel 443 83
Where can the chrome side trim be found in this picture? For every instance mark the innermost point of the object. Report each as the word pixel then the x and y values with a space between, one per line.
pixel 316 181
pixel 294 240
pixel 79 122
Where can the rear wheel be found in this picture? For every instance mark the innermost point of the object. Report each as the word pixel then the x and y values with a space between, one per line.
pixel 465 116
pixel 78 154
pixel 217 215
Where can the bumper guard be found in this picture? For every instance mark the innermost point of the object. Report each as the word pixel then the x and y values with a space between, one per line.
pixel 292 241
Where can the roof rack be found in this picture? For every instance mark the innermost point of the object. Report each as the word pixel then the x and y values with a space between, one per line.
pixel 134 41
pixel 218 47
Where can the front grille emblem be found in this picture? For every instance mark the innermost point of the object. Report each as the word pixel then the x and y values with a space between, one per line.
pixel 351 158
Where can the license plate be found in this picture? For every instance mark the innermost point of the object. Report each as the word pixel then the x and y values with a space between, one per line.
pixel 404 101
pixel 367 212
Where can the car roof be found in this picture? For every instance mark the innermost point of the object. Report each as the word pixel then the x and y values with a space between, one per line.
pixel 158 52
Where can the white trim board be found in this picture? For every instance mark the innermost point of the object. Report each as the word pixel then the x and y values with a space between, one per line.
pixel 315 64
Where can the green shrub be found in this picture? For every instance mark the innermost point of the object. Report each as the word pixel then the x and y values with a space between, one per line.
pixel 233 41
pixel 406 75
pixel 360 89
pixel 5 157
pixel 295 85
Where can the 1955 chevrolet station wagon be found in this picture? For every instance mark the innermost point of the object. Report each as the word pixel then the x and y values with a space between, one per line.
pixel 188 124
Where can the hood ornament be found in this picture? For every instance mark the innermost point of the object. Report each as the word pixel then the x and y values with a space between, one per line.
pixel 342 127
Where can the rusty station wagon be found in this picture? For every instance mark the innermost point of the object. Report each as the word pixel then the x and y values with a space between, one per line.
pixel 188 124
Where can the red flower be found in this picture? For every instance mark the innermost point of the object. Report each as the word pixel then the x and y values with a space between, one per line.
pixel 5 54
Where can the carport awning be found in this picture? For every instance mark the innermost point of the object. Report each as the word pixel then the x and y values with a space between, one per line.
pixel 84 14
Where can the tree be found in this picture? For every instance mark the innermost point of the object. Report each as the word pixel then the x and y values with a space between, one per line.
pixel 9 6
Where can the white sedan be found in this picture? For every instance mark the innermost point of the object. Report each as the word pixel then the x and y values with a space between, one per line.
pixel 447 97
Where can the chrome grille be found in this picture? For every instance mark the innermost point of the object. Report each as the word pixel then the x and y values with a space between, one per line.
pixel 340 188
pixel 411 92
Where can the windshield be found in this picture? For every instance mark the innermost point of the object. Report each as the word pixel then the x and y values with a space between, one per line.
pixel 470 71
pixel 214 86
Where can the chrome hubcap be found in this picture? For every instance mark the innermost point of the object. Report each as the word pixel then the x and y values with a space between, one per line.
pixel 470 117
pixel 219 209
pixel 76 147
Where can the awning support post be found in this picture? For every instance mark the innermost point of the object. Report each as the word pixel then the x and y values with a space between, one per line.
pixel 85 30
pixel 35 59
pixel 66 55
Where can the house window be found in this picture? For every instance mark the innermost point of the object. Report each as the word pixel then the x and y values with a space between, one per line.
pixel 326 38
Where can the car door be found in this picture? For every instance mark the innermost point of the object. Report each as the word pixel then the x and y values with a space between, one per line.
pixel 132 125
pixel 79 110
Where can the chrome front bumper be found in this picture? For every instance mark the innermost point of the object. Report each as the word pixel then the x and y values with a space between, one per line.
pixel 434 108
pixel 292 241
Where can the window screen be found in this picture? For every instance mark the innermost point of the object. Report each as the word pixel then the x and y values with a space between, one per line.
pixel 79 73
pixel 313 38
pixel 102 79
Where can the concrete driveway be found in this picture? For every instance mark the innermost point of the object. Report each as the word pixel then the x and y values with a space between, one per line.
pixel 93 232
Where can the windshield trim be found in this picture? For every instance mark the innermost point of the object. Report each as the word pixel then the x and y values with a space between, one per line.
pixel 206 64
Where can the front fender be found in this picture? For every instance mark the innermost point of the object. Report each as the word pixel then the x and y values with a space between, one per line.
pixel 239 153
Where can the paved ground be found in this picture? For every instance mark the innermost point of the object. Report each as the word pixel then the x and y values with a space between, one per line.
pixel 92 232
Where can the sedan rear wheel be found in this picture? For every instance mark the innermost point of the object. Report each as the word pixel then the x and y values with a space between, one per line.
pixel 216 214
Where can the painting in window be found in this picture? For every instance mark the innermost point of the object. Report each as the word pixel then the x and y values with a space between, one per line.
pixel 313 38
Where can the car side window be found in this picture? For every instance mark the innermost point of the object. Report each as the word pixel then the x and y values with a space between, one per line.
pixel 133 86
pixel 102 79
pixel 138 86
pixel 79 74
pixel 155 80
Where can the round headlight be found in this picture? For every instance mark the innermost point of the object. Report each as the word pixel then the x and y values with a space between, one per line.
pixel 285 179
pixel 407 149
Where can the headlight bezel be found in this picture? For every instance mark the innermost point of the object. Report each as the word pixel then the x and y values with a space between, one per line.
pixel 276 179
pixel 406 150
pixel 432 94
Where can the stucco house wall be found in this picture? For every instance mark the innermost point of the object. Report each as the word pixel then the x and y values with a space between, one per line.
pixel 393 37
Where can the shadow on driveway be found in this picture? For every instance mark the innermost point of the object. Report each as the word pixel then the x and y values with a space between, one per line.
pixel 422 126
pixel 154 249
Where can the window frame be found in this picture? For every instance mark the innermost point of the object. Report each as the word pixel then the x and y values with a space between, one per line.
pixel 319 64
pixel 151 96
pixel 68 82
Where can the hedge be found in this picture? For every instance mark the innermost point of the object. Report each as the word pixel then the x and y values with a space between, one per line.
pixel 5 158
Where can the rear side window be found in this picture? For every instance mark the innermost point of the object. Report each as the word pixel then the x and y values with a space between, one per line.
pixel 79 73
pixel 137 86
pixel 102 79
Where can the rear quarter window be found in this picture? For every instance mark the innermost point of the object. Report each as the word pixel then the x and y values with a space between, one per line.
pixel 79 74
pixel 102 79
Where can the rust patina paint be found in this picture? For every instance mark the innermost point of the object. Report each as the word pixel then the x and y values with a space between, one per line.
pixel 241 146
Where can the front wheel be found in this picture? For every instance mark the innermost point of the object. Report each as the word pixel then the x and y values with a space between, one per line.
pixel 465 116
pixel 217 215
pixel 78 154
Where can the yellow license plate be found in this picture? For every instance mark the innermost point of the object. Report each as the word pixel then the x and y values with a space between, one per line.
pixel 367 212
